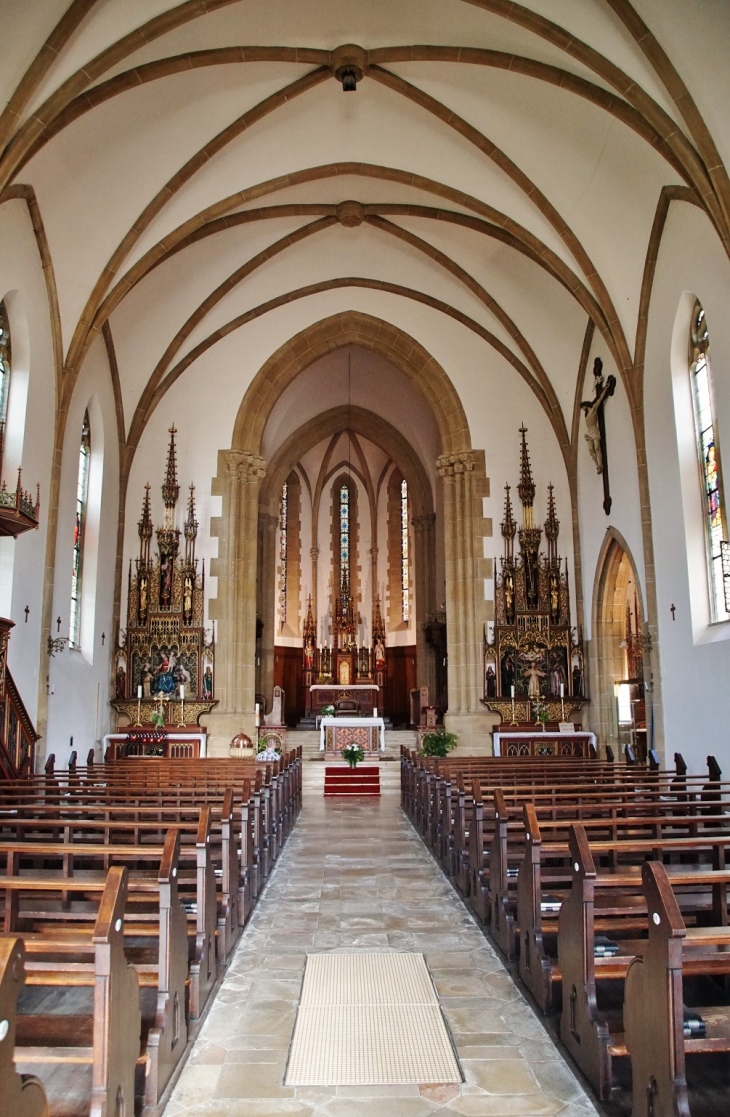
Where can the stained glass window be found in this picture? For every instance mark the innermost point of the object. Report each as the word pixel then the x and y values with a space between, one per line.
pixel 4 371
pixel 344 532
pixel 82 495
pixel 405 553
pixel 709 459
pixel 283 550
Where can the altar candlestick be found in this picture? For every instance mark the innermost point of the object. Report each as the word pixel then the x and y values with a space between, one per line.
pixel 139 706
pixel 182 706
pixel 562 701
pixel 514 719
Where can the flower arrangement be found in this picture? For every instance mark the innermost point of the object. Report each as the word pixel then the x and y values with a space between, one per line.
pixel 328 711
pixel 438 742
pixel 158 716
pixel 541 712
pixel 352 755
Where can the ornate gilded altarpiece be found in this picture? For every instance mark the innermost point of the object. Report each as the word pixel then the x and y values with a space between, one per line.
pixel 534 648
pixel 165 645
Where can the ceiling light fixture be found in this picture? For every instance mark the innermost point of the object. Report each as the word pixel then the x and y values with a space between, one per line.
pixel 348 77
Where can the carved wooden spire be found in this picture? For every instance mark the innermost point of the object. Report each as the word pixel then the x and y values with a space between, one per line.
pixel 526 487
pixel 144 528
pixel 191 529
pixel 309 626
pixel 509 525
pixel 170 487
pixel 552 526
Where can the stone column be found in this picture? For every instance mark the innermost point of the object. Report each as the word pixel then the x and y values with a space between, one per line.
pixel 314 555
pixel 239 478
pixel 267 601
pixel 465 483
pixel 424 527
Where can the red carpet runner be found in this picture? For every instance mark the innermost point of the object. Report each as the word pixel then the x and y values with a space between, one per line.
pixel 363 780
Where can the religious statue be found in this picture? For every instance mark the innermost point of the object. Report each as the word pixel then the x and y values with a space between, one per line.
pixel 207 682
pixel 165 581
pixel 557 675
pixel 164 677
pixel 379 655
pixel 309 652
pixel 120 689
pixel 508 673
pixel 509 597
pixel 577 678
pixel 142 603
pixel 533 674
pixel 491 682
pixel 592 411
pixel 554 598
pixel 188 598
pixel 147 679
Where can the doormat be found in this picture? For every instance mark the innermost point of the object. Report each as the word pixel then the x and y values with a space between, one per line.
pixel 369 1019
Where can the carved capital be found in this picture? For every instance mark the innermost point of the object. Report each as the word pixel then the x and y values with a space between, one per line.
pixel 447 465
pixel 424 523
pixel 242 465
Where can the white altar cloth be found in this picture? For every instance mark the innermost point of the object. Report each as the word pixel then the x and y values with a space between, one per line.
pixel 352 723
pixel 534 735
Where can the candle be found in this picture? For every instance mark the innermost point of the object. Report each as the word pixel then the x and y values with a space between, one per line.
pixel 182 690
pixel 513 690
pixel 375 711
pixel 139 691
pixel 562 690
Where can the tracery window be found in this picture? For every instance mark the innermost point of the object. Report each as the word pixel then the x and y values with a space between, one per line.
pixel 344 531
pixel 4 373
pixel 405 553
pixel 708 451
pixel 82 497
pixel 283 550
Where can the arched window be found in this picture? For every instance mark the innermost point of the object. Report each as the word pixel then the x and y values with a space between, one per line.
pixel 4 373
pixel 344 531
pixel 708 450
pixel 405 552
pixel 82 497
pixel 283 551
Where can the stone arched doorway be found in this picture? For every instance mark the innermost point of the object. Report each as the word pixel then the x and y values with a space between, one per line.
pixel 622 706
pixel 250 498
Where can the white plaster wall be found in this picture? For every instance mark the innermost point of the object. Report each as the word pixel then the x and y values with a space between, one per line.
pixel 30 442
pixel 79 681
pixel 695 662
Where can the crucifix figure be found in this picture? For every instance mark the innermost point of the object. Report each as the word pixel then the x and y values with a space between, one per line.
pixel 595 433
pixel 672 609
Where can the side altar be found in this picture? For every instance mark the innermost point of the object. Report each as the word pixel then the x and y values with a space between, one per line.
pixel 164 666
pixel 533 660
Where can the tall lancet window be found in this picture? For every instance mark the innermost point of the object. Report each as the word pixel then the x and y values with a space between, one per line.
pixel 405 552
pixel 283 551
pixel 344 531
pixel 4 373
pixel 82 497
pixel 708 450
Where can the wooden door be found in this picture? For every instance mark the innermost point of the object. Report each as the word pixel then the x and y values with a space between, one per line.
pixel 289 675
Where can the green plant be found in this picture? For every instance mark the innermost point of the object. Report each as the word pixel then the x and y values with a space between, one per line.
pixel 158 717
pixel 439 742
pixel 352 754
pixel 328 711
pixel 541 712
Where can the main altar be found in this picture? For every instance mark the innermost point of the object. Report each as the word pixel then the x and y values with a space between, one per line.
pixel 164 665
pixel 533 659
pixel 344 672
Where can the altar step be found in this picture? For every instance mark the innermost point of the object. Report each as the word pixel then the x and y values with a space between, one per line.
pixel 341 780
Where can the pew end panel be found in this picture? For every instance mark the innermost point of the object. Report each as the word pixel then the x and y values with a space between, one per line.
pixel 22 1094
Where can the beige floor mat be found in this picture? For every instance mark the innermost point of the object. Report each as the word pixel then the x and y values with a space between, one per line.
pixel 369 1019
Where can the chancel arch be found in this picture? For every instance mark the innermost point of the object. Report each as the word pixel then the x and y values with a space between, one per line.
pixel 445 478
pixel 622 681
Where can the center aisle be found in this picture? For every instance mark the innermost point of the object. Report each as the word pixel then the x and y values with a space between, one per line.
pixel 354 876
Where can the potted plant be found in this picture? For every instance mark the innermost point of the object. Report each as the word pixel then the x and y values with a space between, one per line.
pixel 328 711
pixel 439 742
pixel 352 755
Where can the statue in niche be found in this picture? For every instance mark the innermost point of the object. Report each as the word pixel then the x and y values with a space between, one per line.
pixel 554 599
pixel 577 677
pixel 532 674
pixel 532 591
pixel 165 581
pixel 491 682
pixel 188 599
pixel 120 687
pixel 208 682
pixel 142 601
pixel 508 673
pixel 509 598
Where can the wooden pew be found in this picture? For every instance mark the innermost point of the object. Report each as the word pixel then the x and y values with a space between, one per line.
pixel 655 993
pixel 592 1035
pixel 109 1041
pixel 22 1095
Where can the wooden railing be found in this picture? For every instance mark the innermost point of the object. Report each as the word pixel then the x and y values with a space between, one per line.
pixel 17 732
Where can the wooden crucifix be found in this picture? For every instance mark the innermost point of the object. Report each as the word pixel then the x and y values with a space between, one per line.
pixel 595 434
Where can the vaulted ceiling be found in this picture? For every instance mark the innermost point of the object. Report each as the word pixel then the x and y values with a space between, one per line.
pixel 190 167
